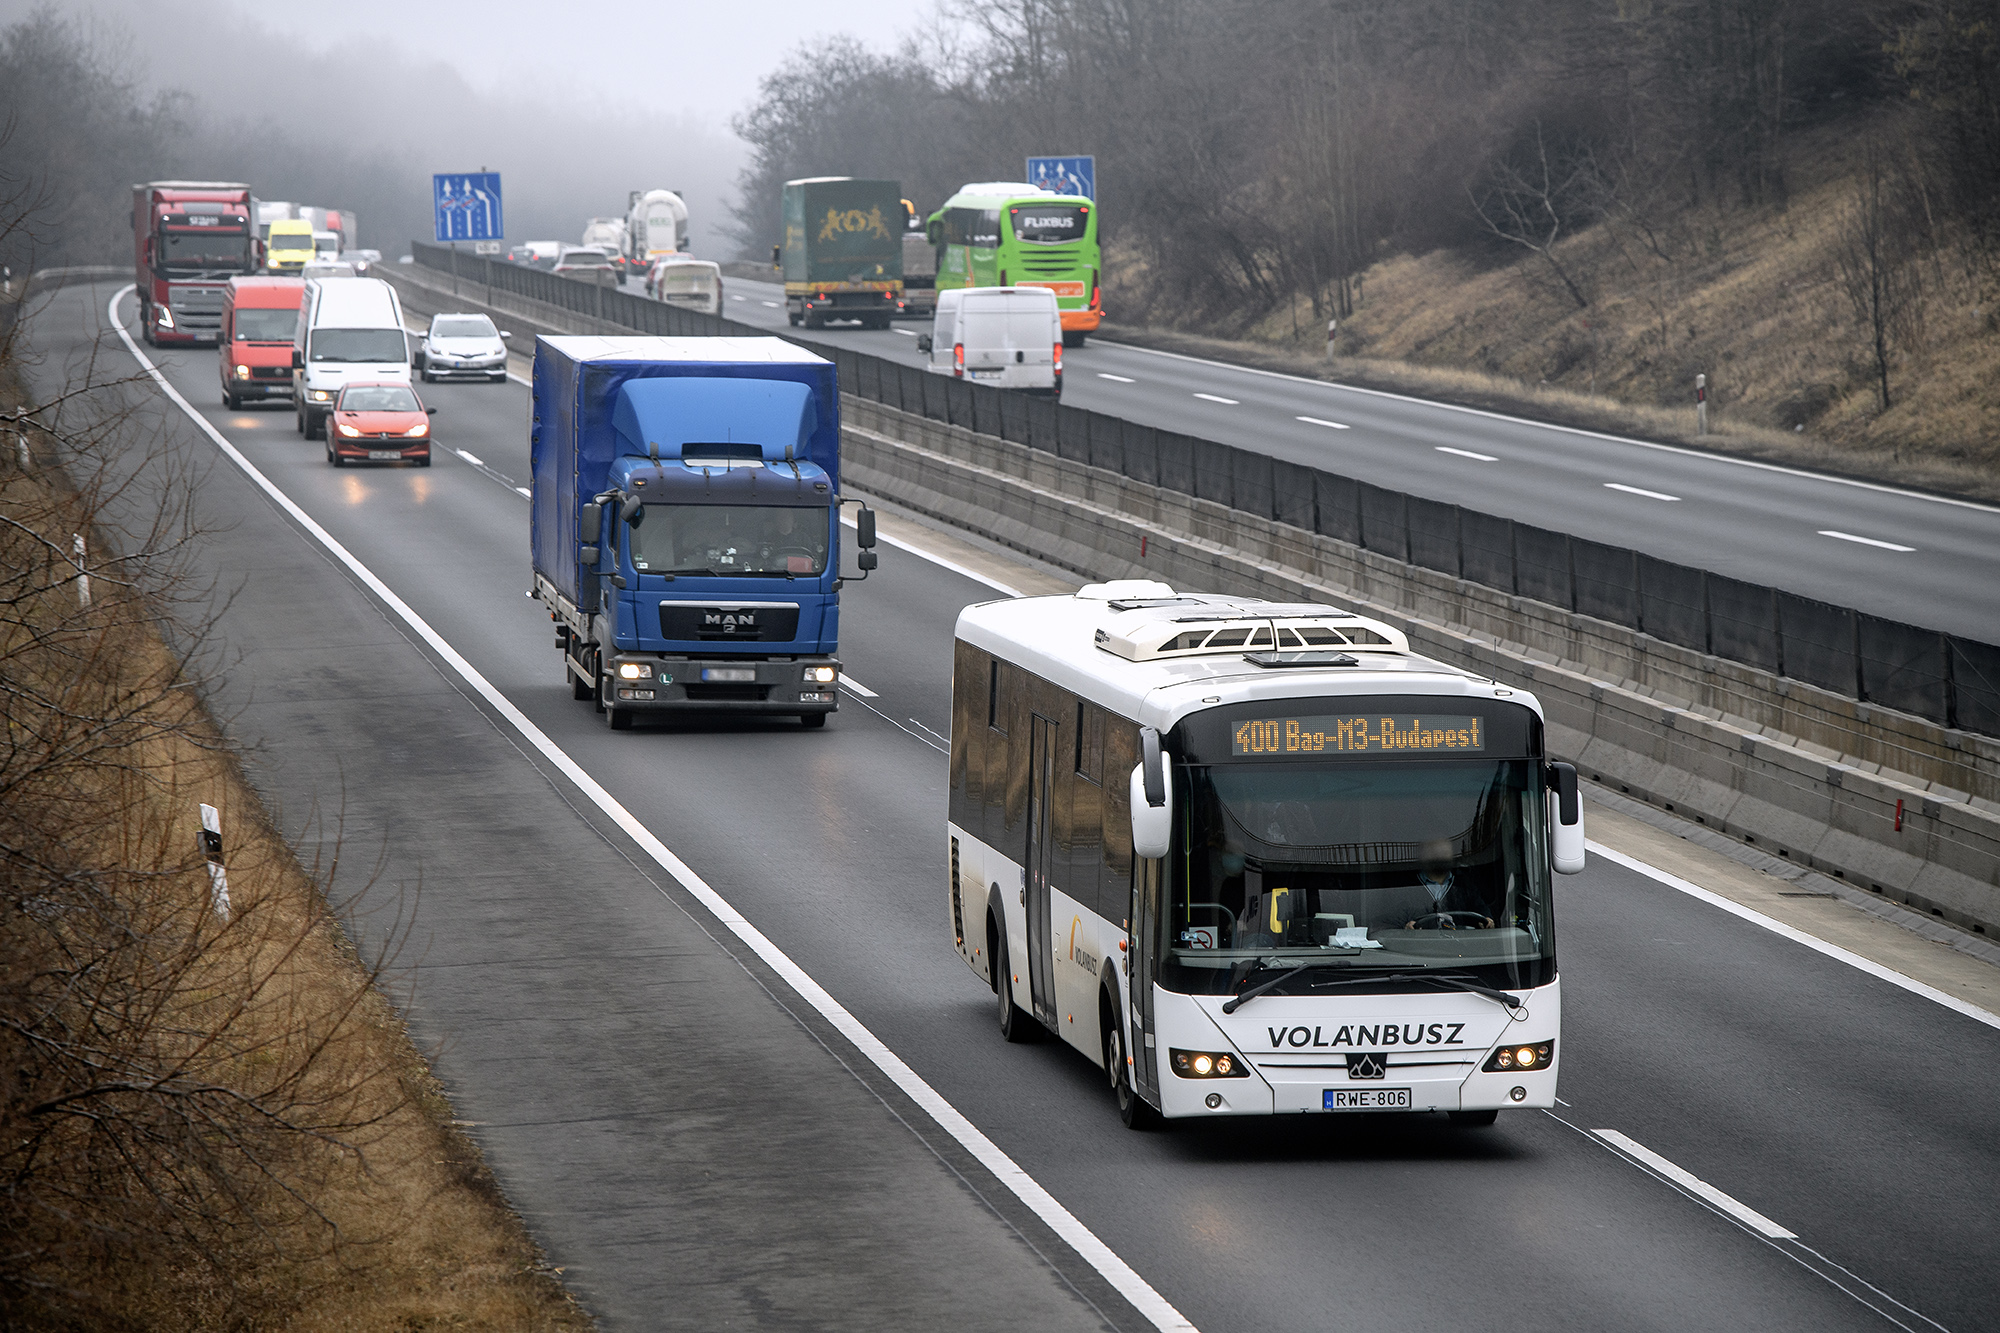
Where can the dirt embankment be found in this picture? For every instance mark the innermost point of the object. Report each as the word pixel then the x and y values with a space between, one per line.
pixel 1756 299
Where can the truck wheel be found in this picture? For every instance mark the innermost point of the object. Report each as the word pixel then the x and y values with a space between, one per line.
pixel 812 720
pixel 299 417
pixel 793 318
pixel 230 401
pixel 619 718
pixel 579 688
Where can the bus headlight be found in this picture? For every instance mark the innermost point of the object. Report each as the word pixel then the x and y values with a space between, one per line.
pixel 820 675
pixel 1537 1055
pixel 635 671
pixel 1207 1064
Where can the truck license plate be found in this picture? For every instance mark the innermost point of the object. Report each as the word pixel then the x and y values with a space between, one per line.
pixel 384 455
pixel 1366 1099
pixel 742 674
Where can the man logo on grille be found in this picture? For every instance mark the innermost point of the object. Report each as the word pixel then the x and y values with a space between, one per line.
pixel 1367 1064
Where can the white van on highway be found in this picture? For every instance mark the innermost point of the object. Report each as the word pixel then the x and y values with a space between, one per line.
pixel 350 331
pixel 1009 337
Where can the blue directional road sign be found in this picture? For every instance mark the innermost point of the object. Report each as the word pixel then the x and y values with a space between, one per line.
pixel 467 205
pixel 1064 175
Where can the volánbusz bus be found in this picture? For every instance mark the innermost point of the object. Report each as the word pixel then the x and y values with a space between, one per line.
pixel 1256 858
pixel 1008 233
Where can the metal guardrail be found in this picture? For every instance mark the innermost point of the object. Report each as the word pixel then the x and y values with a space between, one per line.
pixel 1943 678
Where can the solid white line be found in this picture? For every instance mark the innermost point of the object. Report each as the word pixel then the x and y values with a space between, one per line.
pixel 1317 421
pixel 1865 541
pixel 1640 490
pixel 1150 1304
pixel 848 682
pixel 525 491
pixel 473 459
pixel 1229 402
pixel 1466 453
pixel 1696 1186
pixel 940 561
pixel 1118 379
pixel 1702 454
pixel 1776 927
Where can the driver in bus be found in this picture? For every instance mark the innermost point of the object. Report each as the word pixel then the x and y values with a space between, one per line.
pixel 1436 878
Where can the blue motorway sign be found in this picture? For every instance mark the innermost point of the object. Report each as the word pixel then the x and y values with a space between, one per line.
pixel 1064 175
pixel 467 205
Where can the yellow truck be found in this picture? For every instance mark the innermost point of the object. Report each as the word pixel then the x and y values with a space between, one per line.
pixel 288 245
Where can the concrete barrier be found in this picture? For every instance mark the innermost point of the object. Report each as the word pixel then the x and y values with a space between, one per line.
pixel 1880 799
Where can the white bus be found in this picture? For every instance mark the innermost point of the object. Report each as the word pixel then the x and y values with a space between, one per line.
pixel 1256 858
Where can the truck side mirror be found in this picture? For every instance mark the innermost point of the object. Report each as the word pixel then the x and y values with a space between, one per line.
pixel 1566 827
pixel 864 528
pixel 924 343
pixel 1152 799
pixel 866 561
pixel 632 511
pixel 590 525
pixel 776 250
pixel 298 358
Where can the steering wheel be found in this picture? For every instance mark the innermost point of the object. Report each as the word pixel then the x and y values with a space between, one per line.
pixel 1450 920
pixel 792 550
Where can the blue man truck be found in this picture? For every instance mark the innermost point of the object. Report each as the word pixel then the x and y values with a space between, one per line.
pixel 685 523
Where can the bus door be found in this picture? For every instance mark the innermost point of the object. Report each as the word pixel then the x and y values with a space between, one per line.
pixel 1145 938
pixel 1040 863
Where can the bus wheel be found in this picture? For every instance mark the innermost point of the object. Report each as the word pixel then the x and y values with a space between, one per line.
pixel 1131 1109
pixel 1474 1119
pixel 1016 1024
pixel 1074 337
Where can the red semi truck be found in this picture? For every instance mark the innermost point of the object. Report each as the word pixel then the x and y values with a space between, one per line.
pixel 191 238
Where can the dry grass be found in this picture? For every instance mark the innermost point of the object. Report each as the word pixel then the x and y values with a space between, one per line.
pixel 1749 298
pixel 273 1151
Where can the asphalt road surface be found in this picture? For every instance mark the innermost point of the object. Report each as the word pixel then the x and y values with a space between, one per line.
pixel 697 1149
pixel 1897 554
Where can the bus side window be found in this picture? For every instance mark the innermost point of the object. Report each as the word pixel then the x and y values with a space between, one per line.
pixel 1121 752
pixel 968 749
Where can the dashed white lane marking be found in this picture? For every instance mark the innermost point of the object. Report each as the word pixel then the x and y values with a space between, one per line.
pixel 1209 397
pixel 1696 1186
pixel 1151 1305
pixel 1865 541
pixel 1116 379
pixel 772 304
pixel 1640 490
pixel 739 298
pixel 525 491
pixel 907 333
pixel 1320 421
pixel 848 682
pixel 473 459
pixel 1467 453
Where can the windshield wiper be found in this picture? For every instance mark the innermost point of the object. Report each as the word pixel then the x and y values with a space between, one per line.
pixel 1447 980
pixel 1230 1006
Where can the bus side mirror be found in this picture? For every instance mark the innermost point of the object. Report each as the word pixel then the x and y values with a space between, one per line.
pixel 1152 799
pixel 1566 825
pixel 924 343
pixel 590 525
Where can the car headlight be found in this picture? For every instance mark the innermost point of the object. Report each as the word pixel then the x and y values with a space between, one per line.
pixel 822 675
pixel 349 431
pixel 1534 1055
pixel 1207 1064
pixel 421 428
pixel 242 372
pixel 322 395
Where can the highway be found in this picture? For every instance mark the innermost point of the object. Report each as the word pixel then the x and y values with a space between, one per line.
pixel 698 1149
pixel 1897 554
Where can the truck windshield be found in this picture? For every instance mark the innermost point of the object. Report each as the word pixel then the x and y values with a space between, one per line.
pixel 206 248
pixel 359 345
pixel 731 540
pixel 1392 864
pixel 265 326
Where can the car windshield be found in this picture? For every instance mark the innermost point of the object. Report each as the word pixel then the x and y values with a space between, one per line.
pixel 1049 224
pixel 378 398
pixel 1396 864
pixel 265 326
pixel 462 326
pixel 290 241
pixel 359 345
pixel 735 540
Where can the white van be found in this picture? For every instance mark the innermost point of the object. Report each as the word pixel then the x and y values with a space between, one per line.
pixel 1009 337
pixel 691 284
pixel 350 330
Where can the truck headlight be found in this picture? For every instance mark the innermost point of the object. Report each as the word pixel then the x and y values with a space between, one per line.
pixel 166 317
pixel 822 675
pixel 322 395
pixel 635 671
pixel 242 372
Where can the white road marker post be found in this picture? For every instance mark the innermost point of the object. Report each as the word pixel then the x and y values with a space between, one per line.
pixel 80 559
pixel 1332 326
pixel 1701 404
pixel 211 847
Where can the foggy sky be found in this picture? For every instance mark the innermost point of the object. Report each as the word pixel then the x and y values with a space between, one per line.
pixel 573 106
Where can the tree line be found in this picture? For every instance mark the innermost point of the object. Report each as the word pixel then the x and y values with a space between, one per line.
pixel 1253 153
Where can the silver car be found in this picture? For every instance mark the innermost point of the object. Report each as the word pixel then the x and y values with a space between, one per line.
pixel 462 347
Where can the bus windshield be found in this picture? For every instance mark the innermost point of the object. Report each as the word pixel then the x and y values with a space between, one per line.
pixel 730 540
pixel 1358 864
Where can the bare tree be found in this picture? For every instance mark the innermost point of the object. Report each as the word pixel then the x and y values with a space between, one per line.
pixel 1537 196
pixel 1870 262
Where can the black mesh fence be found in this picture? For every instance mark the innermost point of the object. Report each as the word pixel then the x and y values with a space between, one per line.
pixel 1948 679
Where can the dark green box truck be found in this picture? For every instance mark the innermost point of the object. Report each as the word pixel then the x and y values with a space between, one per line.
pixel 843 250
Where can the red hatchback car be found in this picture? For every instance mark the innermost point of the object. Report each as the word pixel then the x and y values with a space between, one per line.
pixel 379 423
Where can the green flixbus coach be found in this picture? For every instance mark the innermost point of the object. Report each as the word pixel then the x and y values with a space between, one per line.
pixel 1008 233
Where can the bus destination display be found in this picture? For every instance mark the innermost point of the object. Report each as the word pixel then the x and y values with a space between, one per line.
pixel 1436 734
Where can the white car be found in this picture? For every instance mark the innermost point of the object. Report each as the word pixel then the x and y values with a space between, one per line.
pixel 463 347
